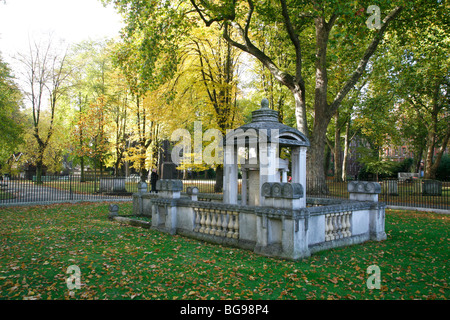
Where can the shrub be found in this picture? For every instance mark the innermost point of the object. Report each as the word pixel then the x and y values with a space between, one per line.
pixel 443 171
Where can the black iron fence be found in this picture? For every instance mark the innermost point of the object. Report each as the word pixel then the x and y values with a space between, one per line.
pixel 418 193
pixel 409 193
pixel 65 188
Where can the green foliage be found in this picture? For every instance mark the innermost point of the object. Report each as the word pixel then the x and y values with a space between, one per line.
pixel 148 54
pixel 409 82
pixel 443 171
pixel 382 168
pixel 152 81
pixel 404 166
pixel 11 118
pixel 374 165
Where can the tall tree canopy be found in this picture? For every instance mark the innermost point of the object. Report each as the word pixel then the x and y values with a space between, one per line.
pixel 329 30
pixel 422 73
pixel 11 126
pixel 45 81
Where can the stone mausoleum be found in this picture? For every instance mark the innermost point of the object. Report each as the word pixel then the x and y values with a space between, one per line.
pixel 268 215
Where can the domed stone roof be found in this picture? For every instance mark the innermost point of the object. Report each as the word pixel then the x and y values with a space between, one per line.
pixel 265 125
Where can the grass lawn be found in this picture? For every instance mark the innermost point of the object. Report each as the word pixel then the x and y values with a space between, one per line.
pixel 38 244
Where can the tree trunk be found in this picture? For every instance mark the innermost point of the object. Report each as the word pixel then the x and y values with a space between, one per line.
pixel 40 158
pixel 431 167
pixel 40 161
pixel 346 148
pixel 143 170
pixel 300 109
pixel 82 178
pixel 432 139
pixel 323 111
pixel 316 158
pixel 39 165
pixel 337 149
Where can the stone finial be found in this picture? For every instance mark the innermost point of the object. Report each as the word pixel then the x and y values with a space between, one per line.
pixel 193 192
pixel 264 103
pixel 142 187
pixel 282 190
pixel 364 187
pixel 364 190
pixel 276 190
pixel 292 191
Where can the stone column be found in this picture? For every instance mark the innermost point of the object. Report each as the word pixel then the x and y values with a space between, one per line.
pixel 299 169
pixel 377 223
pixel 282 233
pixel 244 187
pixel 272 169
pixel 230 175
pixel 254 194
pixel 268 165
pixel 284 176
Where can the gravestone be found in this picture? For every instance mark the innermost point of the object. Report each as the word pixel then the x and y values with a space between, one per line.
pixel 391 187
pixel 407 176
pixel 431 188
pixel 112 185
pixel 168 168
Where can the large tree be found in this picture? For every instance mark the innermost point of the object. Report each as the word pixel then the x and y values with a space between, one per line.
pixel 11 127
pixel 101 99
pixel 407 97
pixel 332 29
pixel 142 97
pixel 45 77
pixel 424 82
pixel 331 24
pixel 209 73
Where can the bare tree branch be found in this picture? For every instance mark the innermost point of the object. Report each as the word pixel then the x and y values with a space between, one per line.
pixel 294 38
pixel 215 19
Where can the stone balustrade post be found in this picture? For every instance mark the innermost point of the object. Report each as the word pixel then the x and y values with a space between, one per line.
pixel 167 189
pixel 193 193
pixel 368 191
pixel 142 187
pixel 364 190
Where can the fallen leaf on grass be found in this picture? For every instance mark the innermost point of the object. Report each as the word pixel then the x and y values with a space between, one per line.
pixel 333 280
